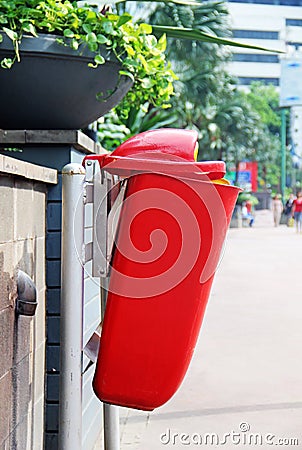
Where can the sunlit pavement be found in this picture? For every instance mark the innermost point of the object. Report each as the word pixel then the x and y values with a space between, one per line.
pixel 244 385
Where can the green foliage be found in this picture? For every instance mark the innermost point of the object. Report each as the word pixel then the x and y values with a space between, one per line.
pixel 233 125
pixel 265 101
pixel 206 96
pixel 195 63
pixel 140 52
pixel 113 129
pixel 247 196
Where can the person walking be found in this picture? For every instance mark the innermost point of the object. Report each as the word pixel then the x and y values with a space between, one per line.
pixel 297 212
pixel 288 209
pixel 277 209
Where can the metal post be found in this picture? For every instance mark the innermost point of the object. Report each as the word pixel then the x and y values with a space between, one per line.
pixel 110 412
pixel 283 152
pixel 70 413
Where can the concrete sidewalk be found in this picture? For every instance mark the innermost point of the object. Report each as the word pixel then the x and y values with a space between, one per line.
pixel 244 385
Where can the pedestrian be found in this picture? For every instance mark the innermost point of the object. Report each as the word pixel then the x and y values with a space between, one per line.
pixel 249 206
pixel 297 212
pixel 277 209
pixel 288 209
pixel 247 216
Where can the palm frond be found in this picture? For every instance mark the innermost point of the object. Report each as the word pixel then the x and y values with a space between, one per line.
pixel 197 35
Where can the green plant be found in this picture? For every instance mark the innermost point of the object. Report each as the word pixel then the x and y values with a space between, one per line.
pixel 247 196
pixel 112 129
pixel 141 53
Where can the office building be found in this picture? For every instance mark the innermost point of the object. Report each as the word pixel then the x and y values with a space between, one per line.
pixel 273 24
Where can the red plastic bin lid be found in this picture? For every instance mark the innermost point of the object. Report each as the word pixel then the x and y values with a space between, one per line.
pixel 168 151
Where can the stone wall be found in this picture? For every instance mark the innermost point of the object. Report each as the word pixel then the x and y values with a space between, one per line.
pixel 23 192
pixel 55 149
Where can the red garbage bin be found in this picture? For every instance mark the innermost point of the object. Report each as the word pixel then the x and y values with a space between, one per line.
pixel 171 230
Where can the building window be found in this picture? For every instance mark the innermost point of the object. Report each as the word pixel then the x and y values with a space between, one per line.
pixel 255 34
pixel 271 2
pixel 249 80
pixel 294 22
pixel 297 45
pixel 291 2
pixel 254 57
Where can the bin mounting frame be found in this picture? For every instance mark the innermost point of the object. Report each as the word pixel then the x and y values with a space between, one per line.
pixel 98 190
pixel 99 186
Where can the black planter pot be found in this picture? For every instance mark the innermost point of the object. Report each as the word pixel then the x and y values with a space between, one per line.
pixel 53 87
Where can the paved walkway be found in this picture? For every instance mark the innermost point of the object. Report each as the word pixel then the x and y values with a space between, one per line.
pixel 245 378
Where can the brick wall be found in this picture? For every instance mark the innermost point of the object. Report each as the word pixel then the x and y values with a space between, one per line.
pixel 23 189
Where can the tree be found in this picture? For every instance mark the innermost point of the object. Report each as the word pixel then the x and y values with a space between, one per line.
pixel 265 102
pixel 232 125
pixel 196 64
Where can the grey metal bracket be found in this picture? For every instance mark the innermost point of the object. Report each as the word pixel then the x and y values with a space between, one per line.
pixel 106 212
pixel 106 193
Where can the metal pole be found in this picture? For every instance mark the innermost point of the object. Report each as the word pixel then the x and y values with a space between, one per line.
pixel 70 412
pixel 283 152
pixel 111 427
pixel 110 412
